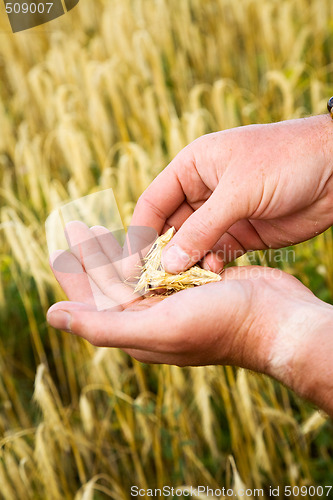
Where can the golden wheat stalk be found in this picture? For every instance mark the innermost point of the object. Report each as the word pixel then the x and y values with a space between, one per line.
pixel 154 277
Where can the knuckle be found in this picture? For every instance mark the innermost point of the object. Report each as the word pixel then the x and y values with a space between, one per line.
pixel 198 230
pixel 145 200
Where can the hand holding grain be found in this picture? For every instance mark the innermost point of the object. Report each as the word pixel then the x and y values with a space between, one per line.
pixel 255 317
pixel 248 188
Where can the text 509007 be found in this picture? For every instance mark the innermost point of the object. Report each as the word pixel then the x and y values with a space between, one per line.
pixel 28 8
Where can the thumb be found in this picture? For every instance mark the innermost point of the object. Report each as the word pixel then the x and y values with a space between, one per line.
pixel 202 230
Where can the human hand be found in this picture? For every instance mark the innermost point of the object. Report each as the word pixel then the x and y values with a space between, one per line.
pixel 248 188
pixel 256 318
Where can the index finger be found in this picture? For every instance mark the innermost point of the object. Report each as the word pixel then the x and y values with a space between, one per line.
pixel 163 197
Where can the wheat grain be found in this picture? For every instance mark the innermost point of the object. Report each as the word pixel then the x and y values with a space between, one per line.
pixel 154 277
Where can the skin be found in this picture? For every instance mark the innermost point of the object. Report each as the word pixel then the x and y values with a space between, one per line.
pixel 243 189
pixel 248 188
pixel 256 317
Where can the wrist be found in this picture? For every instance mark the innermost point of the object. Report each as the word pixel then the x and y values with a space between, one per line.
pixel 303 360
pixel 314 367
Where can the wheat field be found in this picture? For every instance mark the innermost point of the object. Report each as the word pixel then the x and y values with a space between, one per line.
pixel 104 97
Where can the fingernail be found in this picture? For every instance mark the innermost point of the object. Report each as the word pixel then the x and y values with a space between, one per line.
pixel 60 320
pixel 174 259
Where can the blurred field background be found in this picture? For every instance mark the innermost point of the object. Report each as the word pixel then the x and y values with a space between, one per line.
pixel 104 97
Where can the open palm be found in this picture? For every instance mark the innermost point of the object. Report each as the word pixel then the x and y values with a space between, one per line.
pixel 235 321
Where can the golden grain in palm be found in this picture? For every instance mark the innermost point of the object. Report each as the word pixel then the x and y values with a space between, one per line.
pixel 154 277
